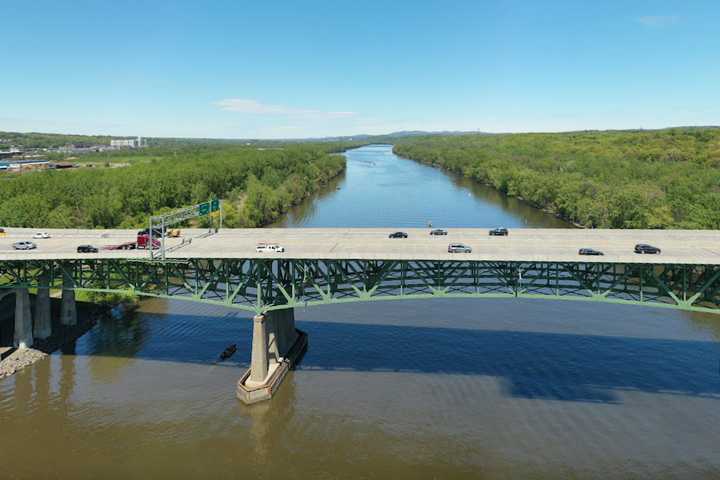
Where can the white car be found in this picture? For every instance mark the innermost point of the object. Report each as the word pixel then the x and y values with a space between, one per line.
pixel 41 235
pixel 269 247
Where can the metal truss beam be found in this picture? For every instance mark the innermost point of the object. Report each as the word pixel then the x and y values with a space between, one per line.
pixel 261 285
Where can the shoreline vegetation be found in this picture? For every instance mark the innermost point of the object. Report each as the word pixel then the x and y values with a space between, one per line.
pixel 258 185
pixel 651 179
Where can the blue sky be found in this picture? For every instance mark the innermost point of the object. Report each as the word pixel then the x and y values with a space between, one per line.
pixel 237 69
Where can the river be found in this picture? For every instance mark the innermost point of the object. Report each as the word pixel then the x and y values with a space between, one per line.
pixel 441 388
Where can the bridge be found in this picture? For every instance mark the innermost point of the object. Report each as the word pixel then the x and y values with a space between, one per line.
pixel 327 266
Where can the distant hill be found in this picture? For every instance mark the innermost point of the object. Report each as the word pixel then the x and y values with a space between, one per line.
pixel 54 140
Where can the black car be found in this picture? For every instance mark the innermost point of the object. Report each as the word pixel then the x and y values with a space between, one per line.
pixel 398 235
pixel 87 249
pixel 645 248
pixel 589 251
pixel 438 231
pixel 499 232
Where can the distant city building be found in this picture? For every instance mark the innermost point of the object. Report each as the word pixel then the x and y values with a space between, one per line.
pixel 138 142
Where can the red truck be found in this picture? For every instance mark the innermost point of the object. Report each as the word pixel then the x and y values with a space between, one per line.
pixel 143 241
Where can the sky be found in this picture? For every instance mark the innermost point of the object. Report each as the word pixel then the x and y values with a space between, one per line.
pixel 298 69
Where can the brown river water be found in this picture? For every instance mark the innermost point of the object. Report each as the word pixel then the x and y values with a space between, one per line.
pixel 445 388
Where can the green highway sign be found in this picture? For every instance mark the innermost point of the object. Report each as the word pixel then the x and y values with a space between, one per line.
pixel 214 205
pixel 204 208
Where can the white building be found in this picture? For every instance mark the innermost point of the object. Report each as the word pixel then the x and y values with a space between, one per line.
pixel 128 142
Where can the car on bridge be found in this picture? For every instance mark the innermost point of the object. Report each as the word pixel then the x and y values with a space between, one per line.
pixel 398 235
pixel 645 248
pixel 589 251
pixel 269 248
pixel 40 235
pixel 87 249
pixel 438 231
pixel 24 245
pixel 459 248
pixel 2 232
pixel 498 232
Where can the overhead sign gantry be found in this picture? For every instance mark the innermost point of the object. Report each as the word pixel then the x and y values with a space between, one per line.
pixel 160 223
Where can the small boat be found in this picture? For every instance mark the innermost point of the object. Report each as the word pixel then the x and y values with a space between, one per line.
pixel 228 352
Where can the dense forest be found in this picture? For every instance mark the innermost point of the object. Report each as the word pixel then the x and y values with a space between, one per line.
pixel 611 179
pixel 259 184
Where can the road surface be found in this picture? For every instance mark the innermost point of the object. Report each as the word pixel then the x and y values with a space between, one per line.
pixel 547 245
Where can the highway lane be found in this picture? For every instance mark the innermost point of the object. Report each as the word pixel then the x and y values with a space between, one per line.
pixel 551 245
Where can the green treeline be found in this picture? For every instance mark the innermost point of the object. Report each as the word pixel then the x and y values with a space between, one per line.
pixel 259 184
pixel 612 179
pixel 49 140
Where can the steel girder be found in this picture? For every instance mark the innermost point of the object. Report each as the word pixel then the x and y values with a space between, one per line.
pixel 261 285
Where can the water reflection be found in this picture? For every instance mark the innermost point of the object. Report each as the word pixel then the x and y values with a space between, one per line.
pixel 268 422
pixel 119 338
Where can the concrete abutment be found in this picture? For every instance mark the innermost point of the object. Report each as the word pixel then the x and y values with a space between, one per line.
pixel 276 346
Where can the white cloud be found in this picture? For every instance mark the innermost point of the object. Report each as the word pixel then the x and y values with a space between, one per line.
pixel 658 20
pixel 245 105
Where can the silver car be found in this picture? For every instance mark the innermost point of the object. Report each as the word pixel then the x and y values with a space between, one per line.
pixel 459 248
pixel 24 245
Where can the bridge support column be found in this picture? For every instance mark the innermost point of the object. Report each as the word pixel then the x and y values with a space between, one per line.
pixel 68 310
pixel 259 358
pixel 23 319
pixel 43 318
pixel 285 330
pixel 276 347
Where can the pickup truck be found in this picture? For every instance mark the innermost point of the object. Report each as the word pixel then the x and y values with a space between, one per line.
pixel 269 248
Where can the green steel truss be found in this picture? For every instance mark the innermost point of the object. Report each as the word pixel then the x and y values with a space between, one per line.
pixel 260 285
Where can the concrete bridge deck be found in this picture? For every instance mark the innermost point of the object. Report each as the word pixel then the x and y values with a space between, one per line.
pixel 691 247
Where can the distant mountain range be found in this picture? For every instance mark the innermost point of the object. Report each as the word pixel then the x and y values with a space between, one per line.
pixel 400 134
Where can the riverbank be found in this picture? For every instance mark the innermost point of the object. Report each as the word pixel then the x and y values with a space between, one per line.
pixel 542 208
pixel 613 179
pixel 18 360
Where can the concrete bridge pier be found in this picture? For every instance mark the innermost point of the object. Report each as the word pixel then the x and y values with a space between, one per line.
pixel 276 347
pixel 68 310
pixel 259 361
pixel 43 314
pixel 23 319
